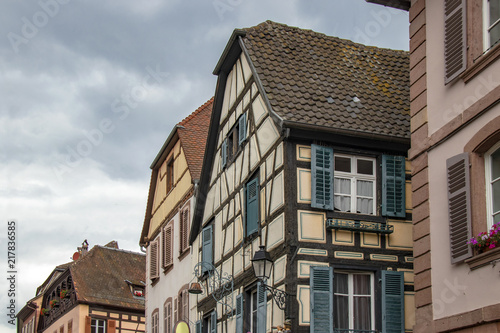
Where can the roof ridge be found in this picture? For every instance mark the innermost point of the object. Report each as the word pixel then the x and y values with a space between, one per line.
pixel 196 112
pixel 119 250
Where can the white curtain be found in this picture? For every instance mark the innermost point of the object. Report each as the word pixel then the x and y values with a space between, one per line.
pixel 342 190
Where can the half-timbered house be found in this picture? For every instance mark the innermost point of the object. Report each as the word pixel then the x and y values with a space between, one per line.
pixel 306 159
pixel 101 291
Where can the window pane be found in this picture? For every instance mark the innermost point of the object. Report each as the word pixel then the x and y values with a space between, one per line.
pixel 362 313
pixel 496 218
pixel 361 284
pixel 342 203
pixel 495 188
pixel 495 165
pixel 340 283
pixel 364 206
pixel 342 186
pixel 341 316
pixel 342 164
pixel 494 11
pixel 364 188
pixel 495 34
pixel 365 167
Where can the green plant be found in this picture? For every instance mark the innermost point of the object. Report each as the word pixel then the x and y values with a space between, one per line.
pixel 486 240
pixel 44 311
pixel 54 302
pixel 64 293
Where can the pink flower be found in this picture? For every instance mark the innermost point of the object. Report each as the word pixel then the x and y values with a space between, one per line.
pixel 492 246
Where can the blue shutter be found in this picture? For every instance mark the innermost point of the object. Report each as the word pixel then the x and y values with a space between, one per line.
pixel 239 313
pixel 223 153
pixel 393 186
pixel 261 308
pixel 322 177
pixel 393 312
pixel 242 128
pixel 206 255
pixel 252 222
pixel 321 284
pixel 213 322
pixel 198 326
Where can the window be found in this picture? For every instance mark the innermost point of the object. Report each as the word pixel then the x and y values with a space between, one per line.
pixel 208 324
pixel 98 326
pixel 207 247
pixel 61 329
pixel 346 300
pixel 491 18
pixel 492 170
pixel 184 229
pixel 353 301
pixel 70 326
pixel 183 305
pixel 170 174
pixel 252 206
pixel 234 140
pixel 167 245
pixel 251 314
pixel 154 321
pixel 167 316
pixel 354 184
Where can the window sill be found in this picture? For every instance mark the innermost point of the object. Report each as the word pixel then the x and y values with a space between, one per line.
pixel 481 63
pixel 483 259
pixel 183 254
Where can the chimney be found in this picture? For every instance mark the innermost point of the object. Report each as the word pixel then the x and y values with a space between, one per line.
pixel 84 249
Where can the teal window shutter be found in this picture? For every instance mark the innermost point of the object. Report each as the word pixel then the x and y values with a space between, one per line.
pixel 242 128
pixel 213 322
pixel 223 153
pixel 393 186
pixel 261 308
pixel 198 326
pixel 393 312
pixel 252 192
pixel 239 313
pixel 321 284
pixel 207 240
pixel 322 177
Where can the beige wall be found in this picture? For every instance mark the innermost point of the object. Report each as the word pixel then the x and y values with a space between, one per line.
pixel 77 315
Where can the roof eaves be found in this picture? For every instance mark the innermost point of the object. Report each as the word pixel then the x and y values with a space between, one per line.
pixel 165 146
pixel 399 4
pixel 228 50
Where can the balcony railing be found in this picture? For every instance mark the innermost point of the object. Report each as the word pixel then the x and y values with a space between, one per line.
pixel 346 330
pixel 379 228
pixel 64 305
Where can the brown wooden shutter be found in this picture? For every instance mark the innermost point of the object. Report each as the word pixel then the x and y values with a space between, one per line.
pixel 459 208
pixel 153 263
pixel 70 326
pixel 167 245
pixel 455 38
pixel 88 323
pixel 111 326
pixel 176 314
pixel 185 305
pixel 184 229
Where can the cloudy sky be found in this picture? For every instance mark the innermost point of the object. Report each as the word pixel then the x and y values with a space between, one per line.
pixel 89 91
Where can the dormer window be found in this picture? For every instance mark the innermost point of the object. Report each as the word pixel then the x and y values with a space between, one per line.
pixel 137 288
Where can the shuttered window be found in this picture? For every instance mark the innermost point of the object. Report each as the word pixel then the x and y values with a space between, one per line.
pixel 167 244
pixel 321 284
pixel 239 313
pixel 207 248
pixel 199 327
pixel 393 186
pixel 213 322
pixel 393 312
pixel 261 308
pixel 459 209
pixel 184 229
pixel 167 317
pixel 242 128
pixel 322 177
pixel 223 153
pixel 153 260
pixel 454 38
pixel 252 206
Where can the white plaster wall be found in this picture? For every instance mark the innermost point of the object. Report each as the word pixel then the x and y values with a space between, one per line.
pixel 446 102
pixel 456 289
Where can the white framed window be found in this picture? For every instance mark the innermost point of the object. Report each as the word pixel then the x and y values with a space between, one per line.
pixel 354 184
pixel 98 326
pixel 491 23
pixel 353 299
pixel 154 321
pixel 492 172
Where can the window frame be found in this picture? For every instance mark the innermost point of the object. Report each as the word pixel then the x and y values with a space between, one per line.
pixel 155 321
pixel 94 325
pixel 167 316
pixel 487 26
pixel 488 183
pixel 354 177
pixel 234 141
pixel 350 294
pixel 170 175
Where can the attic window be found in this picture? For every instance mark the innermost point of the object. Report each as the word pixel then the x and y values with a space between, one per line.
pixel 137 288
pixel 139 292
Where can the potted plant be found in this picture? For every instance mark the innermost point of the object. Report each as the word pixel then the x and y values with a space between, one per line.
pixel 54 303
pixel 64 293
pixel 44 312
pixel 486 240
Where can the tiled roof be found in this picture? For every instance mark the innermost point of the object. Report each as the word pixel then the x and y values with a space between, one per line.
pixel 100 277
pixel 333 83
pixel 193 131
